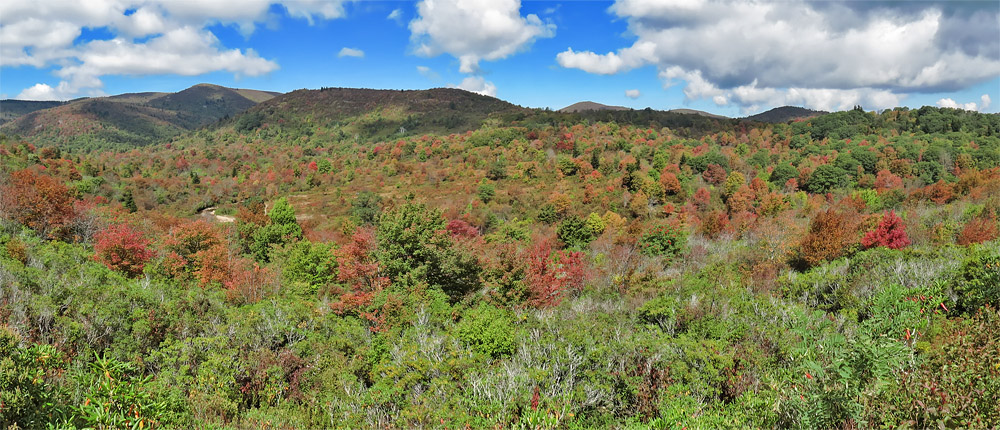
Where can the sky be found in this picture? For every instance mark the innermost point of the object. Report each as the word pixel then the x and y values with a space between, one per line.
pixel 728 57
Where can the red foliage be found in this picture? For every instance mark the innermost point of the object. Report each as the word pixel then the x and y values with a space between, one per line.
pixel 831 235
pixel 939 193
pixel 978 230
pixel 714 223
pixel 248 282
pixel 890 233
pixel 460 229
pixel 39 202
pixel 122 248
pixel 715 174
pixel 886 180
pixel 197 248
pixel 671 185
pixel 312 166
pixel 702 198
pixel 550 276
pixel 360 270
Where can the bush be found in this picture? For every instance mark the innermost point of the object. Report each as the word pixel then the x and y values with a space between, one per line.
pixel 663 241
pixel 488 330
pixel 890 233
pixel 123 249
pixel 831 235
pixel 978 280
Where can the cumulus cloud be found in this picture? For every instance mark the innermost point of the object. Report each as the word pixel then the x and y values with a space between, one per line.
pixel 350 52
pixel 474 31
pixel 827 54
pixel 148 37
pixel 477 85
pixel 632 94
pixel 984 104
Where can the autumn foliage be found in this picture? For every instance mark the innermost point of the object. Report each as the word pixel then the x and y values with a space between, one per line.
pixel 550 276
pixel 39 202
pixel 831 235
pixel 122 248
pixel 978 230
pixel 890 233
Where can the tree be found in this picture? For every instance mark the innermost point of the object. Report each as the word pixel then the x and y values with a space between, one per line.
pixel 366 207
pixel 831 235
pixel 574 233
pixel 39 202
pixel 782 173
pixel 122 248
pixel 281 230
pixel 825 178
pixel 128 201
pixel 414 247
pixel 671 185
pixel 890 233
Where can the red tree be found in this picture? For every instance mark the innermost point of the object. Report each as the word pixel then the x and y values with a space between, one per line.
pixel 358 268
pixel 550 276
pixel 122 248
pixel 978 230
pixel 831 235
pixel 890 233
pixel 39 202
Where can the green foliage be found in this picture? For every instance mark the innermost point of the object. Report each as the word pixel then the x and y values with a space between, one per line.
pixel 574 232
pixel 825 178
pixel 782 173
pixel 486 192
pixel 566 165
pixel 978 280
pixel 413 248
pixel 663 241
pixel 488 330
pixel 366 207
pixel 282 229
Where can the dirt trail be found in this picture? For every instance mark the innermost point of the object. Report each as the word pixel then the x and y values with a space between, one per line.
pixel 210 212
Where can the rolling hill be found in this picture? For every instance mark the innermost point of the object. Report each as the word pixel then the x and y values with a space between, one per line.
pixel 127 120
pixel 589 106
pixel 785 114
pixel 375 114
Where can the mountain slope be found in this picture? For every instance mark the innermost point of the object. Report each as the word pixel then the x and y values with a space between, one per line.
pixel 366 113
pixel 588 106
pixel 697 112
pixel 129 120
pixel 785 114
pixel 13 109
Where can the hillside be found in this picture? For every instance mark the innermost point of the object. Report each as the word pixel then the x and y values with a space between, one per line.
pixel 374 114
pixel 785 114
pixel 128 120
pixel 697 112
pixel 590 106
pixel 813 274
pixel 13 109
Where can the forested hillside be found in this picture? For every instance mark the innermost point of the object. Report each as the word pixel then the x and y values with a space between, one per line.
pixel 440 260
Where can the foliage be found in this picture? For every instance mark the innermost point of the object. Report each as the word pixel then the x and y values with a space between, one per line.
pixel 488 330
pixel 39 202
pixel 123 248
pixel 663 241
pixel 890 233
pixel 831 235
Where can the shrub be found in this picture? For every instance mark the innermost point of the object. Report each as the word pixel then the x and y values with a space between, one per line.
pixel 39 202
pixel 890 233
pixel 831 235
pixel 663 241
pixel 122 248
pixel 488 330
pixel 825 178
pixel 574 233
pixel 978 280
pixel 978 230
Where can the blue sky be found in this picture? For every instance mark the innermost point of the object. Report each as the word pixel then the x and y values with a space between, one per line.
pixel 733 58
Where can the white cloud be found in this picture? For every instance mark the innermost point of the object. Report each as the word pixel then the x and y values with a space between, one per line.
pixel 396 15
pixel 632 94
pixel 984 104
pixel 826 54
pixel 477 85
pixel 475 30
pixel 428 73
pixel 154 37
pixel 350 52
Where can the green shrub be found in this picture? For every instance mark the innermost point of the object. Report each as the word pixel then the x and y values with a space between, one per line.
pixel 663 241
pixel 488 330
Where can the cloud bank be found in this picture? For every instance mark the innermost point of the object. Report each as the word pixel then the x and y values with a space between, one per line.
pixel 150 37
pixel 824 55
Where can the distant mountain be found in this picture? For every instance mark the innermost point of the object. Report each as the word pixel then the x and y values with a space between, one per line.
pixel 785 114
pixel 588 106
pixel 13 109
pixel 697 112
pixel 127 120
pixel 377 114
